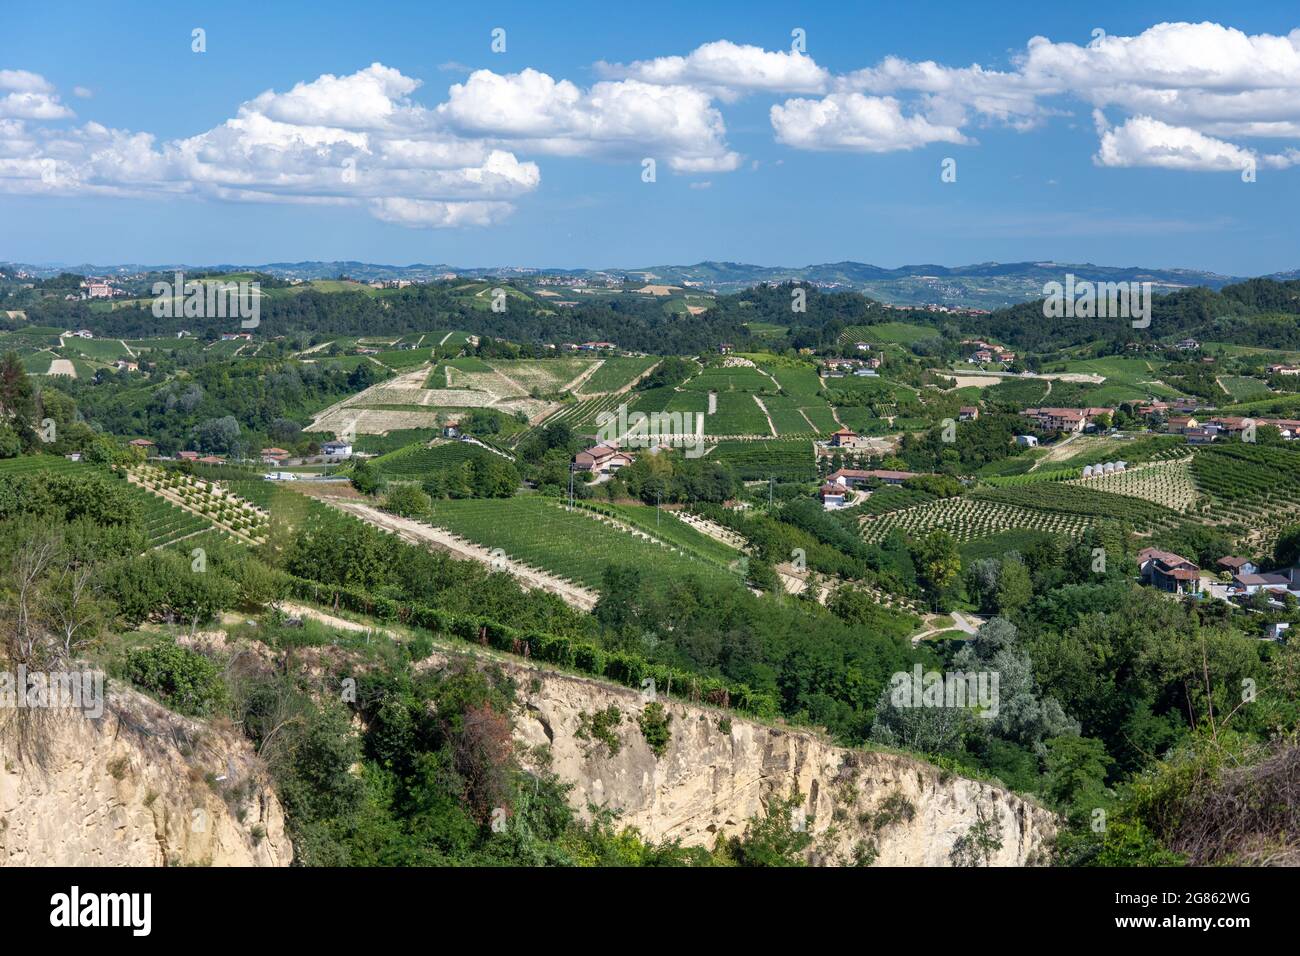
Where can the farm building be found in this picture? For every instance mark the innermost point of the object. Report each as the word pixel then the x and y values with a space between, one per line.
pixel 1168 571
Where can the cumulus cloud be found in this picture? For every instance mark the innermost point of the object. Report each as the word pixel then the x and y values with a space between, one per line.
pixel 872 124
pixel 349 140
pixel 531 110
pixel 728 69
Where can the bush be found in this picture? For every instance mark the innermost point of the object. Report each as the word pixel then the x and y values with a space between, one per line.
pixel 654 723
pixel 187 682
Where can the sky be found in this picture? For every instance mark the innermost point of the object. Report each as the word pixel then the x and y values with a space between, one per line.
pixel 629 135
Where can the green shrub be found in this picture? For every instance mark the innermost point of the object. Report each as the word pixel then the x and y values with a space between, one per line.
pixel 186 681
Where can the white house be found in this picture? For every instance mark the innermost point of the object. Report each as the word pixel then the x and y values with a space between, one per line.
pixel 1026 441
pixel 336 449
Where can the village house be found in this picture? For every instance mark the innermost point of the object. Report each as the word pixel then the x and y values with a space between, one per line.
pixel 1188 345
pixel 274 456
pixel 336 449
pixel 1181 424
pixel 143 444
pixel 725 348
pixel 188 455
pixel 122 365
pixel 1168 571
pixel 1284 370
pixel 211 460
pixel 968 413
pixel 451 430
pixel 1200 436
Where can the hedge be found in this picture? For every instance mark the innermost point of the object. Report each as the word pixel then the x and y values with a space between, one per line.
pixel 621 667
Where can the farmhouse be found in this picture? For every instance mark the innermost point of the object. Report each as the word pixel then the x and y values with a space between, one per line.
pixel 336 449
pixel 1237 565
pixel 851 477
pixel 1199 436
pixel 1026 441
pixel 1284 370
pixel 601 460
pixel 188 455
pixel 1181 424
pixel 968 413
pixel 844 438
pixel 1168 571
pixel 832 495
pixel 274 456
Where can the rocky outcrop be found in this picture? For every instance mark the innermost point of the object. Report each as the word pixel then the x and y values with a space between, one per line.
pixel 139 786
pixel 718 771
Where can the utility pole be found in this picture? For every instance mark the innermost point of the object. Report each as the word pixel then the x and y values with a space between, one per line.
pixel 570 487
pixel 771 484
pixel 656 508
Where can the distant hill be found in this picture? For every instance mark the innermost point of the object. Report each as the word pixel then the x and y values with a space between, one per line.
pixel 985 285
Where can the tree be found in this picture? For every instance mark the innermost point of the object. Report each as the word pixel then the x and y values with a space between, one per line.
pixel 366 478
pixel 409 501
pixel 938 562
pixel 1076 772
pixel 1015 589
pixel 1286 553
pixel 17 402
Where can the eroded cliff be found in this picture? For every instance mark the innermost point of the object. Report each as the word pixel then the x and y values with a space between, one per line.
pixel 140 786
pixel 719 770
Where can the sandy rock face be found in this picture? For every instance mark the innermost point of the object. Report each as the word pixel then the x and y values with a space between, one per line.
pixel 141 786
pixel 714 776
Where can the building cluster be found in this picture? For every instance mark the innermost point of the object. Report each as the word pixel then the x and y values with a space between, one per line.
pixel 840 367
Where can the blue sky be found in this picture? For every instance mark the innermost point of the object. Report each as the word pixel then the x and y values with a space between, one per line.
pixel 116 143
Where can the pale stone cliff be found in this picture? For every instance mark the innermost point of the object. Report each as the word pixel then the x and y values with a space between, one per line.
pixel 140 786
pixel 714 776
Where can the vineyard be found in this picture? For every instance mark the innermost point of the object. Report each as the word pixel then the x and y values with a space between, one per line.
pixel 206 501
pixel 1166 483
pixel 790 460
pixel 1255 488
pixel 576 545
pixel 1077 500
pixel 415 461
pixel 615 373
pixel 969 518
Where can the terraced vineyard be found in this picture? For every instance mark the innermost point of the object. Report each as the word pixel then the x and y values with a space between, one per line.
pixel 1070 499
pixel 1166 483
pixel 541 533
pixel 968 519
pixel 1255 488
pixel 205 501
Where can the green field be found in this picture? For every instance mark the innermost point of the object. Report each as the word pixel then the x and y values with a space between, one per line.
pixel 789 460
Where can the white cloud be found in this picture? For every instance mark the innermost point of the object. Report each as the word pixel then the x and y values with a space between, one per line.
pixel 431 214
pixel 1143 141
pixel 82 92
pixel 532 111
pixel 853 121
pixel 729 68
